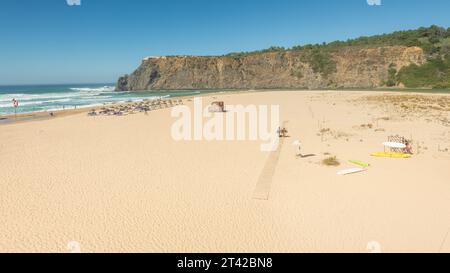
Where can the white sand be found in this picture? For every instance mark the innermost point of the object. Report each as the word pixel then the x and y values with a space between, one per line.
pixel 121 184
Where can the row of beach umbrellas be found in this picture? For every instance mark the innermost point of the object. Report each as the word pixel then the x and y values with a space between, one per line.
pixel 135 107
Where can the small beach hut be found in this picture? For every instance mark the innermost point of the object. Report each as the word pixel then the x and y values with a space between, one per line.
pixel 217 107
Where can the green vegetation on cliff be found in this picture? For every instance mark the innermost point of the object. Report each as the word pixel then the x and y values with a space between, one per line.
pixel 392 76
pixel 434 40
pixel 435 73
pixel 321 62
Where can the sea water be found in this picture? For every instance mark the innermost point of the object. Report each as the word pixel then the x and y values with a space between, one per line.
pixel 40 98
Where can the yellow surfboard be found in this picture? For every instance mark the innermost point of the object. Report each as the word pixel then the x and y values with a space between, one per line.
pixel 390 154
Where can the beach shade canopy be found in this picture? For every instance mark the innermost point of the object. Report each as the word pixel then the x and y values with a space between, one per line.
pixel 217 106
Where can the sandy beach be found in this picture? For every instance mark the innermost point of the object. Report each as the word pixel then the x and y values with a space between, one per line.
pixel 122 184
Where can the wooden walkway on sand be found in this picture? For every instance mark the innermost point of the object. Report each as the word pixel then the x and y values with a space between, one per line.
pixel 264 184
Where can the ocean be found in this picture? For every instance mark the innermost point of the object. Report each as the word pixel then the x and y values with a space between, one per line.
pixel 39 98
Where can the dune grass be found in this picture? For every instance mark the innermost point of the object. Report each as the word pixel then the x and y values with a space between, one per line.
pixel 331 161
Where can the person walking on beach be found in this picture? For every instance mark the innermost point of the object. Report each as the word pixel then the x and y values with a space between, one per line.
pixel 299 149
pixel 282 132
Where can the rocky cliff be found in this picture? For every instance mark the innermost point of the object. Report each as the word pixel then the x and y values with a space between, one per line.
pixel 345 68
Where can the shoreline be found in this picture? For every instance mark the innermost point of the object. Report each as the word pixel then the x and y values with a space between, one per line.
pixel 32 116
pixel 43 115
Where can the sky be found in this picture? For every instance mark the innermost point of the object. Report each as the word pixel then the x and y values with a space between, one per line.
pixel 51 42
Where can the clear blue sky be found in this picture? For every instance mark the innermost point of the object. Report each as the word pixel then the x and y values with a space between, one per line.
pixel 48 41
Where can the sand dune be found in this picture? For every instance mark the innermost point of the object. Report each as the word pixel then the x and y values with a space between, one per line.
pixel 122 184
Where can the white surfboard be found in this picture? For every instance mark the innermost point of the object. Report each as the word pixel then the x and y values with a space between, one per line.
pixel 396 145
pixel 351 171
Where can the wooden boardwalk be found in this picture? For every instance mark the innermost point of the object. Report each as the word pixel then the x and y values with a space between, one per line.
pixel 264 184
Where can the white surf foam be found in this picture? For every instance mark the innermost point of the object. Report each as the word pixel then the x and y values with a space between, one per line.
pixel 99 89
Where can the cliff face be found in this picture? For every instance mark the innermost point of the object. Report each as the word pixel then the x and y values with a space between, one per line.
pixel 352 67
